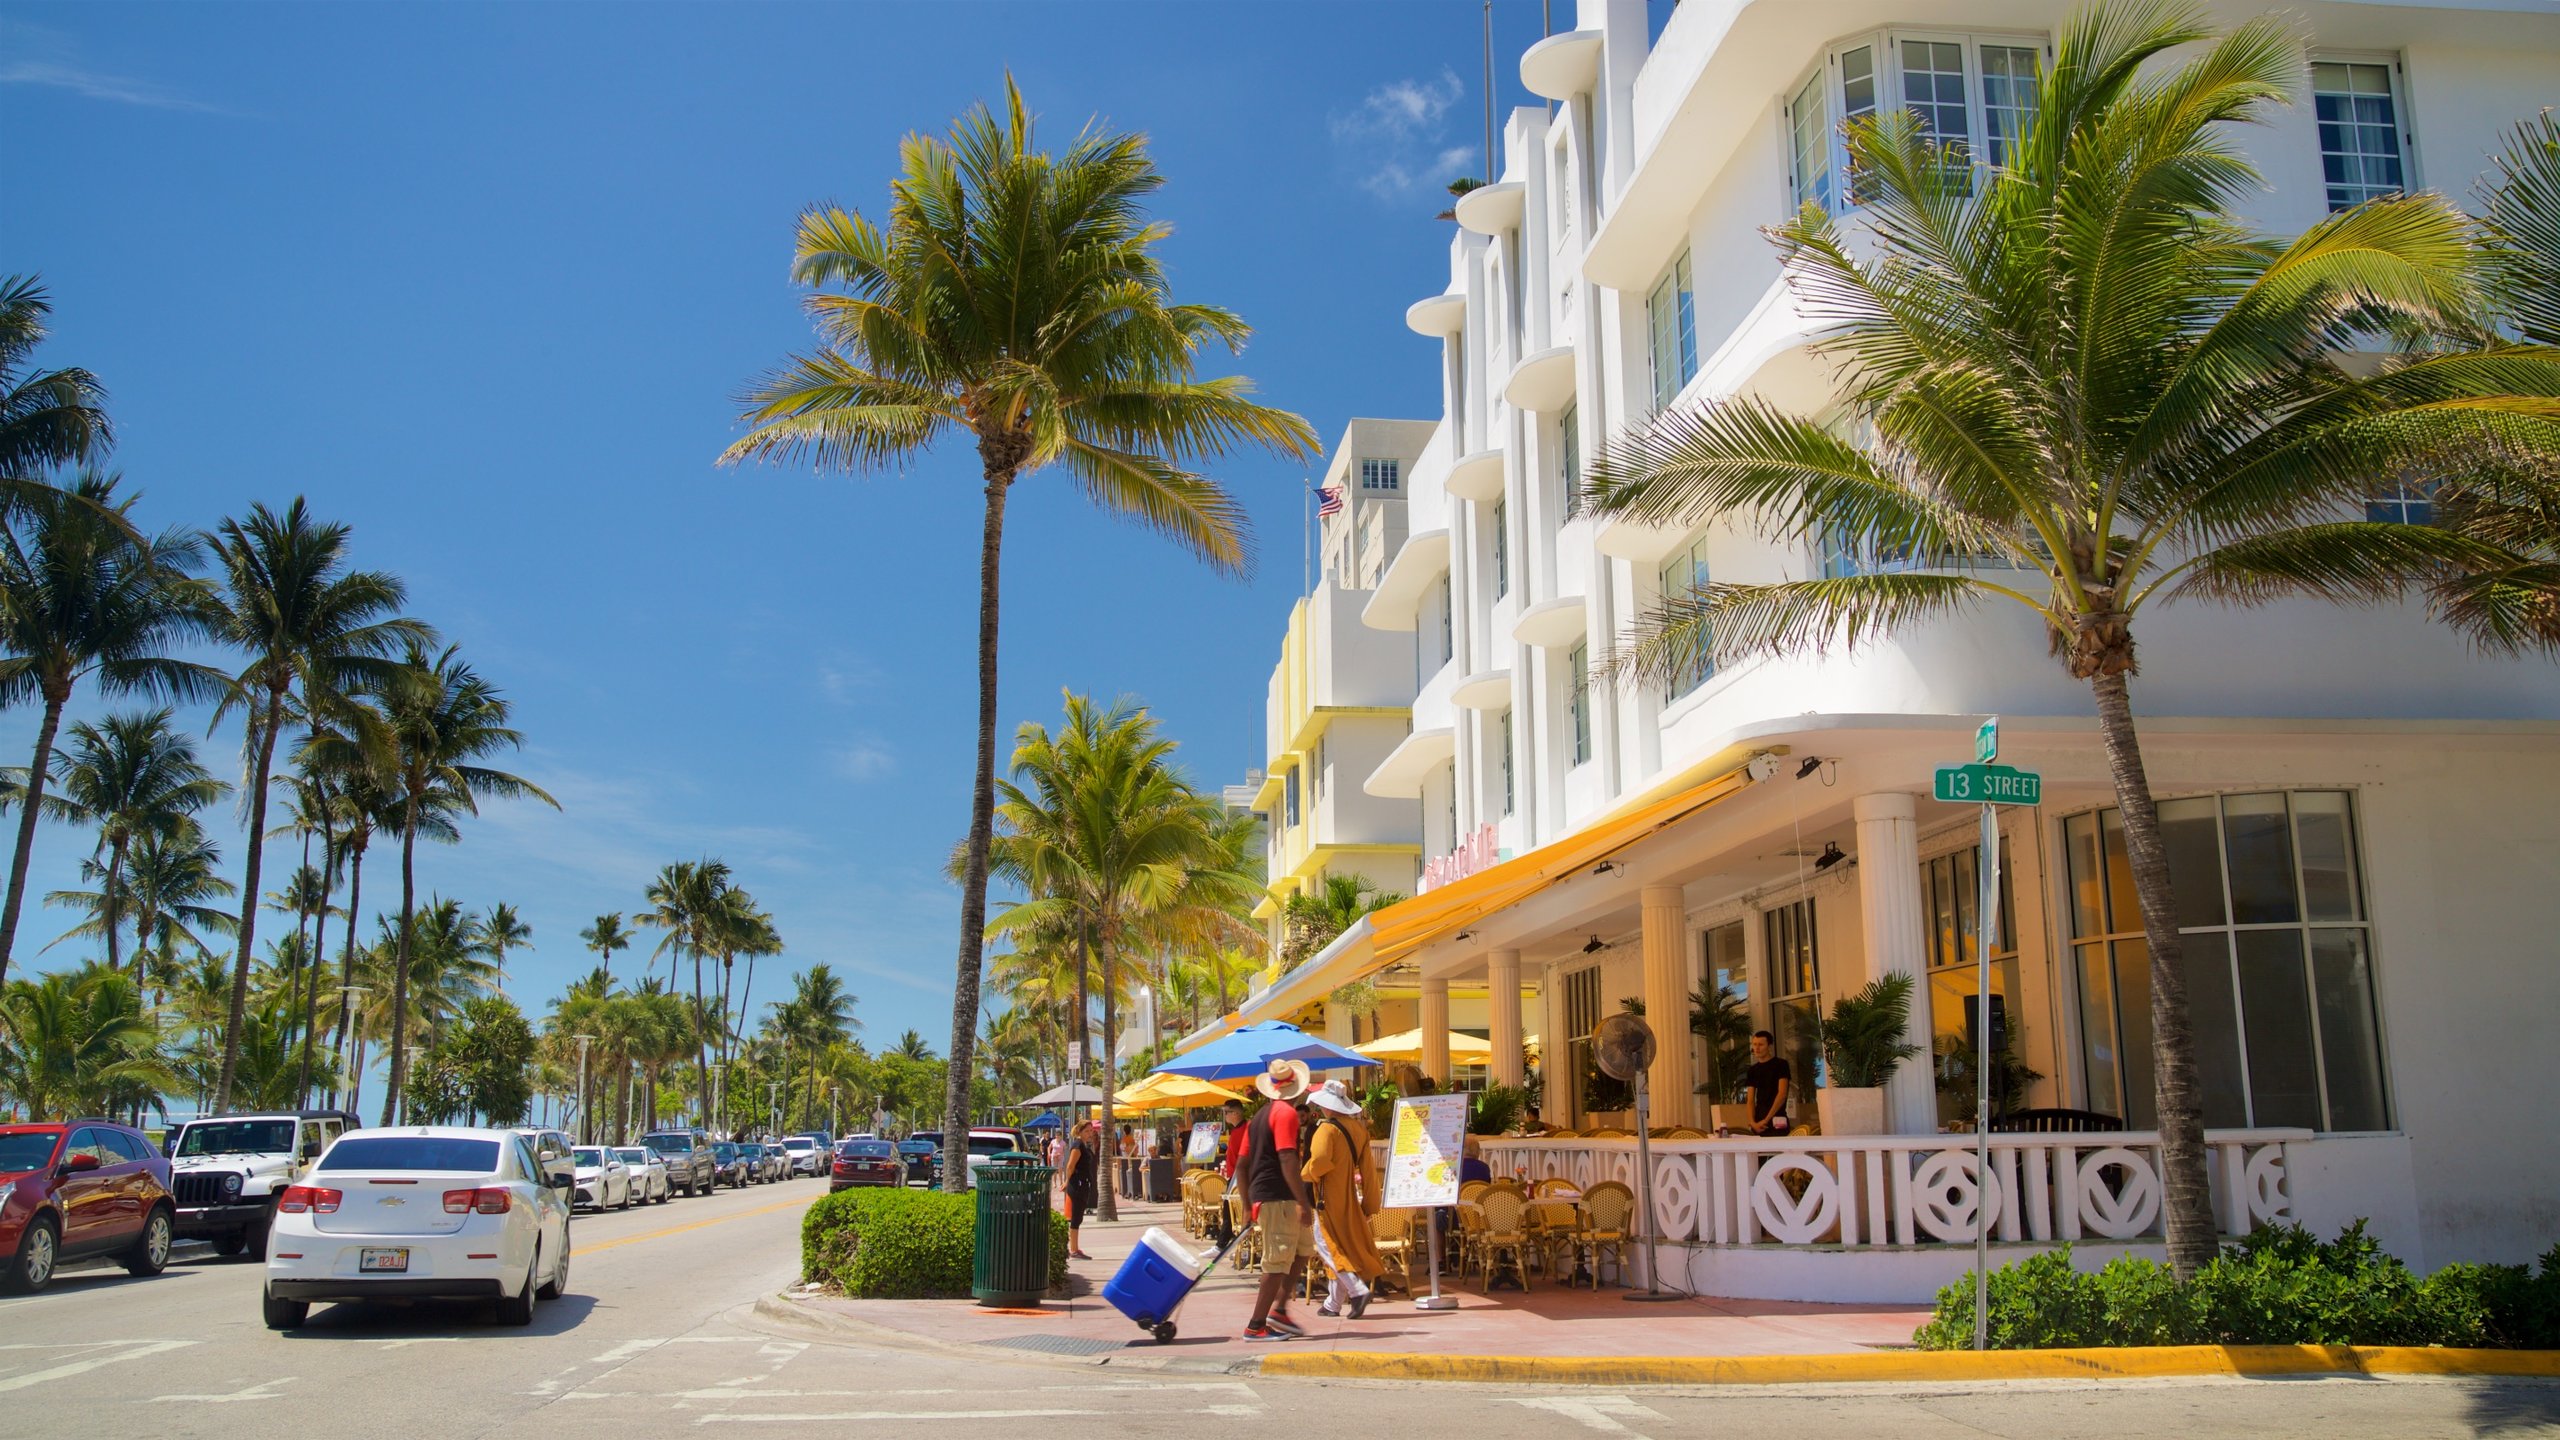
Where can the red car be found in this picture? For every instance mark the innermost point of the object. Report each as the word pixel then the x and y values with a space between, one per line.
pixel 866 1162
pixel 81 1189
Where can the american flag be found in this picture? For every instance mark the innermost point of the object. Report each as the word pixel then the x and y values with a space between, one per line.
pixel 1329 501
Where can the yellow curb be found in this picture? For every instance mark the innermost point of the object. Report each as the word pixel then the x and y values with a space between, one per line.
pixel 690 1225
pixel 2130 1363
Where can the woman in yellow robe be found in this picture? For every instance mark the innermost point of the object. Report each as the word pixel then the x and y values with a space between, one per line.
pixel 1337 1167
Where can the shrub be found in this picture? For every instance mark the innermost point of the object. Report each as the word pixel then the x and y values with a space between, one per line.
pixel 903 1244
pixel 2278 1286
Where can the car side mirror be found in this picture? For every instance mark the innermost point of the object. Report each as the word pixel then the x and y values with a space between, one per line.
pixel 563 1182
pixel 311 1151
pixel 74 1164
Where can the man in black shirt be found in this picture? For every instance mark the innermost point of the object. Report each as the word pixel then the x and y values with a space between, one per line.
pixel 1770 1079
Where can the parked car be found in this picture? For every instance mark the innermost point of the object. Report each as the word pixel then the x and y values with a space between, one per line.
pixel 552 1149
pixel 865 1162
pixel 763 1162
pixel 648 1174
pixel 920 1156
pixel 987 1142
pixel 89 1187
pixel 603 1181
pixel 802 1153
pixel 690 1169
pixel 729 1165
pixel 362 1225
pixel 226 1170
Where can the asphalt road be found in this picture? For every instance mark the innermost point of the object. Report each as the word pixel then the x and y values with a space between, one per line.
pixel 658 1338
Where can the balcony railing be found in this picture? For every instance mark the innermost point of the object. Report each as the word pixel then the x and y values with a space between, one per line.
pixel 1879 1190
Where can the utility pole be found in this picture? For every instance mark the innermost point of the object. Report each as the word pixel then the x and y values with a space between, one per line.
pixel 773 1102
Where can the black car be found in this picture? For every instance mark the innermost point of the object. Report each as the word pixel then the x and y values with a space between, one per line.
pixel 921 1156
pixel 866 1162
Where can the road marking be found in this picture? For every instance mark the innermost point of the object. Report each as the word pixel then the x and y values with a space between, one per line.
pixel 134 1350
pixel 1232 1387
pixel 733 1417
pixel 632 1349
pixel 414 1340
pixel 689 1225
pixel 1605 1413
pixel 733 1392
pixel 263 1390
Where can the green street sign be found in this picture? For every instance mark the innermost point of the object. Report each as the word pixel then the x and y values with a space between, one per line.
pixel 1986 741
pixel 1989 785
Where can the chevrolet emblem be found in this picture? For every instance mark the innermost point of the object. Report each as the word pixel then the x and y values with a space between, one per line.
pixel 393 1200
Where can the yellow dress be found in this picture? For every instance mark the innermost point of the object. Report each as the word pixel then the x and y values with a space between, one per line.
pixel 1334 1160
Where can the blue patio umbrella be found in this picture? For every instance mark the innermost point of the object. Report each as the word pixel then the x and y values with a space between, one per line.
pixel 1045 1120
pixel 1249 1050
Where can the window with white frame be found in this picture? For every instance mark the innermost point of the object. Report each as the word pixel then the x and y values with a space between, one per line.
pixel 1453 804
pixel 1951 902
pixel 1448 627
pixel 1381 475
pixel 1569 447
pixel 1684 578
pixel 1561 196
pixel 2359 117
pixel 2402 502
pixel 1501 553
pixel 1289 789
pixel 1974 94
pixel 1671 325
pixel 1578 692
pixel 1794 963
pixel 1504 739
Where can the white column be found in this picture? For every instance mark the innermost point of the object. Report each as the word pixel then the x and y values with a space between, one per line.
pixel 1502 991
pixel 1666 1003
pixel 1435 1029
pixel 1889 906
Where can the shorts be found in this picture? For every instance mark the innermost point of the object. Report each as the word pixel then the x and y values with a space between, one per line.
pixel 1078 1206
pixel 1284 1240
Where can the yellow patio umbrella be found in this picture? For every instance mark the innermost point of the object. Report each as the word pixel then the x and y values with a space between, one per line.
pixel 1172 1092
pixel 1464 1049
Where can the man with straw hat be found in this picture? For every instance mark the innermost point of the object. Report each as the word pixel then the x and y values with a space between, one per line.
pixel 1337 1159
pixel 1282 1204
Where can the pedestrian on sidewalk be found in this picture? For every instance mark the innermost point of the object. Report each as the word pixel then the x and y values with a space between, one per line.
pixel 1337 1170
pixel 1084 1160
pixel 1283 1206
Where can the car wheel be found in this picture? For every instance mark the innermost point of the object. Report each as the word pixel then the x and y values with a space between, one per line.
pixel 559 1282
pixel 283 1314
pixel 255 1240
pixel 517 1309
pixel 150 1253
pixel 229 1245
pixel 38 1250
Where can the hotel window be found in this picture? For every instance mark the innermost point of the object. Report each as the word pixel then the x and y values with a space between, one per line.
pixel 2359 119
pixel 1578 688
pixel 2008 100
pixel 1382 475
pixel 1569 444
pixel 1448 630
pixel 1505 740
pixel 1289 788
pixel 1501 554
pixel 1795 992
pixel 1453 804
pixel 2402 502
pixel 1671 322
pixel 1561 197
pixel 2278 958
pixel 1594 1088
pixel 1973 94
pixel 1950 898
pixel 1726 1047
pixel 1683 576
pixel 1809 142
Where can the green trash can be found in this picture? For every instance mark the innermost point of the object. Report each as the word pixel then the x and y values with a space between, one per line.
pixel 1012 1261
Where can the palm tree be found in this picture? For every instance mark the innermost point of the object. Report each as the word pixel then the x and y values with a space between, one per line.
pixel 78 1043
pixel 2086 419
pixel 47 417
pixel 506 931
pixel 130 775
pixel 1016 303
pixel 685 902
pixel 80 595
pixel 177 888
pixel 313 630
pixel 821 1016
pixel 443 718
pixel 605 937
pixel 913 1046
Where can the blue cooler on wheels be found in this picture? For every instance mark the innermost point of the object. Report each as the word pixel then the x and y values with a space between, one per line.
pixel 1153 1282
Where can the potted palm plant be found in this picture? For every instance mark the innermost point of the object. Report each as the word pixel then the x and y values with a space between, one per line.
pixel 1862 1044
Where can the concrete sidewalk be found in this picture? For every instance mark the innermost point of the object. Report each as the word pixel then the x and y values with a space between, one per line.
pixel 1548 1321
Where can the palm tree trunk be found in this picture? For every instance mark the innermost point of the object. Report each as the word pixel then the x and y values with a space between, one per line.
pixel 33 801
pixel 107 898
pixel 273 720
pixel 347 957
pixel 319 937
pixel 701 1045
pixel 399 1041
pixel 1110 1207
pixel 2187 1204
pixel 1001 456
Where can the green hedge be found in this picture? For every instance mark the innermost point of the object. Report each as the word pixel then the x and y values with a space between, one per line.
pixel 902 1244
pixel 2279 1286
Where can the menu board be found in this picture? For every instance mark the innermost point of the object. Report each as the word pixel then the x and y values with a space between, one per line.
pixel 1424 1149
pixel 1208 1141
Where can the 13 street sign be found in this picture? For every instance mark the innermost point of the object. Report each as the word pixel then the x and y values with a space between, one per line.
pixel 1986 741
pixel 1989 785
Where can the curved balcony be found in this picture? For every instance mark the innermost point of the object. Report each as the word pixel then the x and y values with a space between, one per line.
pixel 1492 209
pixel 1437 315
pixel 1400 775
pixel 1484 690
pixel 1541 382
pixel 1396 602
pixel 1552 624
pixel 1476 477
pixel 1562 66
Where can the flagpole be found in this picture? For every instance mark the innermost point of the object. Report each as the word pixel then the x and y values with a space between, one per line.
pixel 1308 532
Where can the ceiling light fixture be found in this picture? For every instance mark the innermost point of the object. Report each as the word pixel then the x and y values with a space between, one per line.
pixel 1832 855
pixel 1466 934
pixel 1811 764
pixel 1604 867
pixel 1594 946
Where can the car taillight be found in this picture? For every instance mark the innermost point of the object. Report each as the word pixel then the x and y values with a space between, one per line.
pixel 492 1200
pixel 303 1199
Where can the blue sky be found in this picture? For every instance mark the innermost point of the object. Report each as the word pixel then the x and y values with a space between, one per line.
pixel 483 280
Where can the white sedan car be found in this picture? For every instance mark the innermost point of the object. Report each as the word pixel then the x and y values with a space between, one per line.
pixel 430 1212
pixel 604 1182
pixel 802 1153
pixel 648 1174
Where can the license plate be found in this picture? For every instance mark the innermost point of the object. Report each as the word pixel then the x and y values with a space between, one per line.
pixel 382 1261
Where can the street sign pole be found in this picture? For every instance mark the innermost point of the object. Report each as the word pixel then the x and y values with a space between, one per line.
pixel 1986 927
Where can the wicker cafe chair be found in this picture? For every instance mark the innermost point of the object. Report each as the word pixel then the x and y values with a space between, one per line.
pixel 1608 1215
pixel 1471 1231
pixel 1682 1132
pixel 1506 1235
pixel 1607 1132
pixel 1210 1200
pixel 1555 1233
pixel 1247 1254
pixel 1471 1191
pixel 1553 1184
pixel 1560 1132
pixel 1392 1230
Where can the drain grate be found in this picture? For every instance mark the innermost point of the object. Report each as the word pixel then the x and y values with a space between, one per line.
pixel 1062 1344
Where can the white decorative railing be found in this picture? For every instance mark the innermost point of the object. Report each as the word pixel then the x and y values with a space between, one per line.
pixel 1873 1190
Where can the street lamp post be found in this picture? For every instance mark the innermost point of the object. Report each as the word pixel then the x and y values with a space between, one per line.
pixel 719 1079
pixel 347 1082
pixel 586 1128
pixel 773 1102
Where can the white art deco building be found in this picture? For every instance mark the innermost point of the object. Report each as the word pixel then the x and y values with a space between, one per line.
pixel 2365 817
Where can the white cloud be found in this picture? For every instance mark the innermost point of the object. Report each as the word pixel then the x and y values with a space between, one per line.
pixel 1401 108
pixel 46 58
pixel 1395 136
pixel 863 759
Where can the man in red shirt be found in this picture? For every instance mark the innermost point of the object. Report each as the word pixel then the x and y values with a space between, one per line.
pixel 1283 1206
pixel 1233 1113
